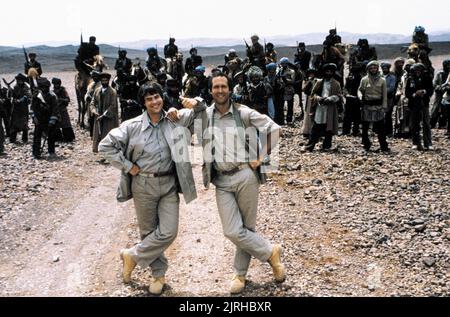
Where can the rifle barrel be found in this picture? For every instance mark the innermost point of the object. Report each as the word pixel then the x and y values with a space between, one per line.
pixel 26 55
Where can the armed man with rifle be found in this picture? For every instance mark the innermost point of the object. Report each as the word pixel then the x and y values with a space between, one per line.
pixel 86 54
pixel 256 54
pixel 63 102
pixel 364 53
pixel 170 50
pixel 333 37
pixel 6 106
pixel 44 106
pixel 123 66
pixel 154 64
pixel 104 107
pixel 421 39
pixel 21 98
pixel 31 62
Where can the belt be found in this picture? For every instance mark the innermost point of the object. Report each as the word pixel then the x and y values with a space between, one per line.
pixel 234 170
pixel 157 175
pixel 376 102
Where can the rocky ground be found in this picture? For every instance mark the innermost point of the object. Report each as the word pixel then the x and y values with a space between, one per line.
pixel 351 224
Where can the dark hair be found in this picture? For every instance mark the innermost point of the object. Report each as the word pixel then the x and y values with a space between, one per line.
pixel 56 81
pixel 220 74
pixel 150 89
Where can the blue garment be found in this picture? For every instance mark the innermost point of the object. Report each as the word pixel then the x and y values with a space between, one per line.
pixel 200 68
pixel 391 83
pixel 271 108
pixel 271 66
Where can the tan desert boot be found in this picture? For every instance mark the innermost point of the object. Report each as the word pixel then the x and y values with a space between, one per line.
pixel 275 261
pixel 128 265
pixel 156 285
pixel 237 284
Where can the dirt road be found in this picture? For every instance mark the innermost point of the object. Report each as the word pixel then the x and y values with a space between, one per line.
pixel 352 224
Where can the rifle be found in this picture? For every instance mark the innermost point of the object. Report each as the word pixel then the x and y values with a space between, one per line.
pixel 9 97
pixel 100 120
pixel 10 90
pixel 404 49
pixel 26 55
pixel 249 51
pixel 8 84
pixel 246 44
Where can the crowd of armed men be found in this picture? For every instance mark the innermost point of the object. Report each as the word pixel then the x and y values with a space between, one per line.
pixel 36 97
pixel 392 100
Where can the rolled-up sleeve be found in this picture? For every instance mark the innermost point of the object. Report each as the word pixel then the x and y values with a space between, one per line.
pixel 262 122
pixel 188 116
pixel 113 147
pixel 266 126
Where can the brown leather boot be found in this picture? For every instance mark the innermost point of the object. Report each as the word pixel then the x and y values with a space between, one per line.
pixel 156 285
pixel 279 271
pixel 128 264
pixel 237 284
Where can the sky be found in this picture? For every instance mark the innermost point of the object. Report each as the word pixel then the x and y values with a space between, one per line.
pixel 132 20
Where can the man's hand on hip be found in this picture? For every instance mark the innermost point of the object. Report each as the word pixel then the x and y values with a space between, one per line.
pixel 255 164
pixel 134 170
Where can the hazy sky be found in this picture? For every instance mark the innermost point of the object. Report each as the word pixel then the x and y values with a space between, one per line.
pixel 130 20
